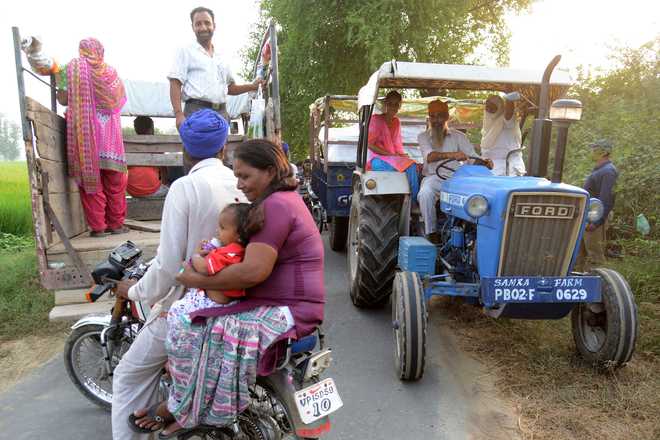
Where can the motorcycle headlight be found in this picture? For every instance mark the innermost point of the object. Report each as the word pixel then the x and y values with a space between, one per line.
pixel 476 206
pixel 595 211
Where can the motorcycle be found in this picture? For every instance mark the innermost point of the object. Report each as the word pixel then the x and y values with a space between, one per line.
pixel 291 403
pixel 310 198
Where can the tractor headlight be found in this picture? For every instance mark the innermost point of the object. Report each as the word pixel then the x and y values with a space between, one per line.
pixel 595 211
pixel 476 206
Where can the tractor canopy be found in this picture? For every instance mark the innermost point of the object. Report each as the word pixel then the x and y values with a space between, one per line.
pixel 407 75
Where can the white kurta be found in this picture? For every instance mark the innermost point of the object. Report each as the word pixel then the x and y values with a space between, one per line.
pixel 431 185
pixel 506 141
pixel 190 215
pixel 203 76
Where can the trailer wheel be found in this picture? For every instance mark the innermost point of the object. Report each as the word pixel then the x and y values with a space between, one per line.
pixel 338 232
pixel 409 320
pixel 605 332
pixel 373 243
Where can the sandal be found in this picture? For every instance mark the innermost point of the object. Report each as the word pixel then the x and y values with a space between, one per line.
pixel 151 413
pixel 120 230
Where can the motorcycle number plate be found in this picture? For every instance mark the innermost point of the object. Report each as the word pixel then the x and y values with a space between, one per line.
pixel 318 400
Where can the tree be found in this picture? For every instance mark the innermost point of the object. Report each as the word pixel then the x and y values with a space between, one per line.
pixel 9 136
pixel 623 105
pixel 331 47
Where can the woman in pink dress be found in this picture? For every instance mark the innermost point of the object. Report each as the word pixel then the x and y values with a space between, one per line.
pixel 95 95
pixel 386 151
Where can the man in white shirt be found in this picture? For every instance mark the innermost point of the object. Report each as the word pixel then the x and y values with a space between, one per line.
pixel 199 77
pixel 438 144
pixel 190 215
pixel 501 134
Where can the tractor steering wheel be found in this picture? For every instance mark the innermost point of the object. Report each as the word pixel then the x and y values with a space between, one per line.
pixel 476 161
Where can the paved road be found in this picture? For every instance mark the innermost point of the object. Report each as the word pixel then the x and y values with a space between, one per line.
pixel 452 401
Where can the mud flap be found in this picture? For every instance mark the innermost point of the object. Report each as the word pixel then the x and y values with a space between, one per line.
pixel 279 383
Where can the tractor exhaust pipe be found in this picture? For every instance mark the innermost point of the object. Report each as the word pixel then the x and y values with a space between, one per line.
pixel 542 128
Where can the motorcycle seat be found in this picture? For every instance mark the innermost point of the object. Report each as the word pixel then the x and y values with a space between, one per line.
pixel 306 343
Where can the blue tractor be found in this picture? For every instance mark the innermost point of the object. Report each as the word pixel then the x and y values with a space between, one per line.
pixel 507 244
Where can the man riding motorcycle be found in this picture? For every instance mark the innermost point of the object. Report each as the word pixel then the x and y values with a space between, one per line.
pixel 190 215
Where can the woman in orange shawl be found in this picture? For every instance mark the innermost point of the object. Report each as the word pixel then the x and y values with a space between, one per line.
pixel 386 151
pixel 95 148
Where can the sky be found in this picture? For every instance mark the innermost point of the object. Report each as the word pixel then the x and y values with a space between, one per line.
pixel 141 36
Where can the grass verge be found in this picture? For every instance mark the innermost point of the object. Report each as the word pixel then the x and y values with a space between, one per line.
pixel 558 396
pixel 24 304
pixel 15 209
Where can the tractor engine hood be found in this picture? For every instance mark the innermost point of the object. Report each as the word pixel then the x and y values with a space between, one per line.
pixel 473 180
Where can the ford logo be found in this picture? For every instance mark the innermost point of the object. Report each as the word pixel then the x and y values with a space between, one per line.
pixel 544 210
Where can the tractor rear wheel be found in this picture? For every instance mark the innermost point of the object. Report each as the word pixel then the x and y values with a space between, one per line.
pixel 373 244
pixel 338 231
pixel 409 320
pixel 605 332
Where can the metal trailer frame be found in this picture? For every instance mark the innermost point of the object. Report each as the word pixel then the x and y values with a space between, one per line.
pixel 272 96
pixel 72 277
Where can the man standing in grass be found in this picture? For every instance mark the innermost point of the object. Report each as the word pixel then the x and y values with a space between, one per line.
pixel 199 75
pixel 600 184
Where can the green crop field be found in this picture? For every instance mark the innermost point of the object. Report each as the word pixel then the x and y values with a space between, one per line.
pixel 15 211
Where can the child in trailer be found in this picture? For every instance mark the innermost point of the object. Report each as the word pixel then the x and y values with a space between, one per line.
pixel 211 256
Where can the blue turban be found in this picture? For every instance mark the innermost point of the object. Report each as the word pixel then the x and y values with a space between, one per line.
pixel 204 133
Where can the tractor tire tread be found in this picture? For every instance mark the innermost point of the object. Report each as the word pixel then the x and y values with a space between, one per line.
pixel 379 235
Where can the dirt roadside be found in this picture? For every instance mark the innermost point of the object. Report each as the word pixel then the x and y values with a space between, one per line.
pixel 533 366
pixel 19 357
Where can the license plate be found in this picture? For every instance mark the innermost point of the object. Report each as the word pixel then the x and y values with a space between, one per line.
pixel 318 400
pixel 501 290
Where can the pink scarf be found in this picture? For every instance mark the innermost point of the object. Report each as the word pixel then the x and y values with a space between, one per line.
pixel 92 85
pixel 389 139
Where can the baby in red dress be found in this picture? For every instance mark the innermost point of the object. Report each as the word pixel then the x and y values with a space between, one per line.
pixel 211 256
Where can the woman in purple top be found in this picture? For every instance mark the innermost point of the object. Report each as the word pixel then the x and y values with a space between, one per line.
pixel 214 354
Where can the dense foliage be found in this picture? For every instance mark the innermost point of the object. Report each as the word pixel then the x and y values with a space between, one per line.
pixel 331 47
pixel 623 106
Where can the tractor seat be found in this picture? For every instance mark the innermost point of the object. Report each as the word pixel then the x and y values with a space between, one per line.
pixel 306 343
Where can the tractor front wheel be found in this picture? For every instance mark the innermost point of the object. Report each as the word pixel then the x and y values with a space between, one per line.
pixel 605 332
pixel 373 244
pixel 409 320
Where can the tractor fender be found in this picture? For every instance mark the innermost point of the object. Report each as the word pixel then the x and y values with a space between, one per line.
pixel 386 182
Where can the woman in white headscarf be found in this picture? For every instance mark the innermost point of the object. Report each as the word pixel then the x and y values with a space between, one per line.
pixel 501 134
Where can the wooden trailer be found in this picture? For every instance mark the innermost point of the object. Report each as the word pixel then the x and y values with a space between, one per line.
pixel 65 250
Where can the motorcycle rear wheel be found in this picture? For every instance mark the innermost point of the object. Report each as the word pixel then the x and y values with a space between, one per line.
pixel 263 388
pixel 85 365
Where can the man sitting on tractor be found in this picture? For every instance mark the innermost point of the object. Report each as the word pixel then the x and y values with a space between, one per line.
pixel 438 144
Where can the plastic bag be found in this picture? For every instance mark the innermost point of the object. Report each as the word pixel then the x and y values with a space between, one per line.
pixel 40 62
pixel 642 225
pixel 257 113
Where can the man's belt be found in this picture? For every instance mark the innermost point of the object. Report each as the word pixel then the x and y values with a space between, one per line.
pixel 222 106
